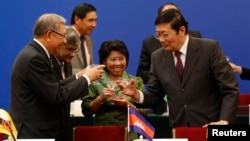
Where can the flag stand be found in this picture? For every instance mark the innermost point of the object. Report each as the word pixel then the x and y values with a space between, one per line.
pixel 137 123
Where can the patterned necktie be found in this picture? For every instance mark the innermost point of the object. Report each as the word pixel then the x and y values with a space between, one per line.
pixel 83 52
pixel 179 65
pixel 62 70
pixel 51 63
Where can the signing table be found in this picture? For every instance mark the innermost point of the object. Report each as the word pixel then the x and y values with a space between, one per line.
pixel 161 123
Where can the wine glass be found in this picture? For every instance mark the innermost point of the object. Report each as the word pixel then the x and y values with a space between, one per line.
pixel 228 58
pixel 125 81
pixel 113 86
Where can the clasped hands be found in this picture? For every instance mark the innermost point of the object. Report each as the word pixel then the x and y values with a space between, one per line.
pixel 120 100
pixel 129 89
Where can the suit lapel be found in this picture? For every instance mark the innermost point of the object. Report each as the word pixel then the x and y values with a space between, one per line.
pixel 191 59
pixel 171 69
pixel 56 68
pixel 79 56
pixel 89 46
pixel 68 69
pixel 41 51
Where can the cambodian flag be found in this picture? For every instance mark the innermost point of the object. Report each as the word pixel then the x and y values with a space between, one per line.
pixel 137 123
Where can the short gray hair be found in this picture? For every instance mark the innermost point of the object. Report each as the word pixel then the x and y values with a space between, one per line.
pixel 72 37
pixel 48 21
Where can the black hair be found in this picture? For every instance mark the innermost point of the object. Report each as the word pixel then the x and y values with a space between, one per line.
pixel 112 45
pixel 174 17
pixel 81 11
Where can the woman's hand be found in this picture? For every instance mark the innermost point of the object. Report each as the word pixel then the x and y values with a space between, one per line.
pixel 107 93
pixel 120 101
pixel 123 102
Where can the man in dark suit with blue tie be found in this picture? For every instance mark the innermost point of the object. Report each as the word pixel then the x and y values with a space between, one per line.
pixel 208 91
pixel 149 45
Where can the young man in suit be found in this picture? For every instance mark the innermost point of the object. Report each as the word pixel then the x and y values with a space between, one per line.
pixel 37 96
pixel 83 20
pixel 149 45
pixel 206 92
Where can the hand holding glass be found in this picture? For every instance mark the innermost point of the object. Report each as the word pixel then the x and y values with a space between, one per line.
pixel 111 85
pixel 92 66
pixel 125 81
pixel 108 93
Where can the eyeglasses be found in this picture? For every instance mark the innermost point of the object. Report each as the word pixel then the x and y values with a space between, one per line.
pixel 71 49
pixel 159 36
pixel 58 33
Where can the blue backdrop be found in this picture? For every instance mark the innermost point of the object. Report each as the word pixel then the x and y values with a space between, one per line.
pixel 130 21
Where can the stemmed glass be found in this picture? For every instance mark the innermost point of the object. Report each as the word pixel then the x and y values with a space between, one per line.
pixel 228 58
pixel 114 87
pixel 125 80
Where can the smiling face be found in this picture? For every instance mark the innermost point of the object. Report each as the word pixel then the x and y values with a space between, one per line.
pixel 115 64
pixel 66 53
pixel 56 39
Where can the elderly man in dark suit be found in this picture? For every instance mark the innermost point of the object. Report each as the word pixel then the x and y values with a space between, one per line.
pixel 37 96
pixel 149 45
pixel 192 72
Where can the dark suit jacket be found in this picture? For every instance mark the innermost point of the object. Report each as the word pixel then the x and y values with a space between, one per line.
pixel 208 91
pixel 37 97
pixel 77 60
pixel 65 113
pixel 149 45
pixel 245 74
pixel 67 70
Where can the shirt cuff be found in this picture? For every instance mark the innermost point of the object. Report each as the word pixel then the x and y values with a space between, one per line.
pixel 141 99
pixel 86 78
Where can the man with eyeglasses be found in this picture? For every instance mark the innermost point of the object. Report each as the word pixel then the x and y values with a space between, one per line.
pixel 38 98
pixel 149 45
pixel 63 69
pixel 205 92
pixel 63 56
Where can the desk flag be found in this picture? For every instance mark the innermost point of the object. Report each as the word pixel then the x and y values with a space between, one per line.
pixel 137 123
pixel 6 125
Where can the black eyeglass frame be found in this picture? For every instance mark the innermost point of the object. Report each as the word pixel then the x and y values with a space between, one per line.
pixel 71 50
pixel 58 33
